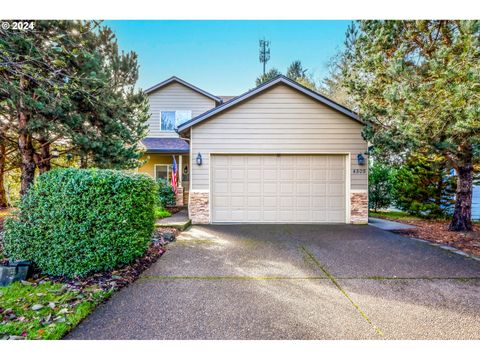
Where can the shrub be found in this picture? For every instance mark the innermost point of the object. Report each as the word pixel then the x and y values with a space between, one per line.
pixel 422 186
pixel 73 222
pixel 161 213
pixel 379 186
pixel 165 193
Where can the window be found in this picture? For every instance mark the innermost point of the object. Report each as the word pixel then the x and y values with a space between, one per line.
pixel 169 120
pixel 163 172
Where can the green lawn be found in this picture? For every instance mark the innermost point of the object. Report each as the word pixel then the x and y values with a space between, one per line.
pixel 393 215
pixel 44 311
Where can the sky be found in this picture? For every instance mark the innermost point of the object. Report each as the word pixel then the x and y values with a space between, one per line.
pixel 221 57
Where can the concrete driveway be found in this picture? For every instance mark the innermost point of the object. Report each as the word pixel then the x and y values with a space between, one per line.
pixel 295 282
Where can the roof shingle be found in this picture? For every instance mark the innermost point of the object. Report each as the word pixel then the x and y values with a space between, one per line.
pixel 166 145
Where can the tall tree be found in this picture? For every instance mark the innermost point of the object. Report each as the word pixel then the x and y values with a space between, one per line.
pixel 298 73
pixel 269 75
pixel 417 85
pixel 66 83
pixel 333 85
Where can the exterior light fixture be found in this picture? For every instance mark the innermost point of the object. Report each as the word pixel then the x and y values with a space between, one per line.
pixel 55 153
pixel 199 159
pixel 360 159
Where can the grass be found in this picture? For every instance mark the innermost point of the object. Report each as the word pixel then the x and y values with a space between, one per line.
pixel 44 311
pixel 161 213
pixel 393 215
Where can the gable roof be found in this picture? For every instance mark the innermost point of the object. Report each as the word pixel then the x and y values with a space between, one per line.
pixel 183 82
pixel 280 79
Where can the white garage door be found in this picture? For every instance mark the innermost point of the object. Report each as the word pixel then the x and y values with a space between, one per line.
pixel 278 188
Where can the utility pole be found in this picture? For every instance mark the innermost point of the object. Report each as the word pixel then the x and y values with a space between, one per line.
pixel 264 53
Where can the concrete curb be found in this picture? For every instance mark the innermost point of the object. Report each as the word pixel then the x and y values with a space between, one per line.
pixel 182 225
pixel 445 247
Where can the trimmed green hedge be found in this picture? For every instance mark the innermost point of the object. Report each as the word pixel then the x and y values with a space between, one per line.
pixel 76 221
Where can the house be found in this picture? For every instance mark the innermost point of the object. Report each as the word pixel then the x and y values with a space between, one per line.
pixel 279 153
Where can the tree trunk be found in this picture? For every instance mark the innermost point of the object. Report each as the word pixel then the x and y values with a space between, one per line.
pixel 43 159
pixel 83 161
pixel 27 153
pixel 3 194
pixel 462 215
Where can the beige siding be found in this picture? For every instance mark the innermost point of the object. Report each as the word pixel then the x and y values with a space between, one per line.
pixel 175 96
pixel 280 120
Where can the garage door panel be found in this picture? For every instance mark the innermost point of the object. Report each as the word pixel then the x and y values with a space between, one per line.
pixel 282 189
pixel 286 174
pixel 270 201
pixel 286 188
pixel 270 188
pixel 237 201
pixel 302 188
pixel 237 188
pixel 254 188
pixel 302 202
pixel 269 174
pixel 221 187
pixel 237 174
pixel 336 189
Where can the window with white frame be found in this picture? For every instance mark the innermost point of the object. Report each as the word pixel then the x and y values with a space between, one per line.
pixel 169 120
pixel 163 171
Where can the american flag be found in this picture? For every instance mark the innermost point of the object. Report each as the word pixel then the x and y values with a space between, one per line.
pixel 174 175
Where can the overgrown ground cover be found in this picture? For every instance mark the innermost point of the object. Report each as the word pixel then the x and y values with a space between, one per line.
pixel 435 230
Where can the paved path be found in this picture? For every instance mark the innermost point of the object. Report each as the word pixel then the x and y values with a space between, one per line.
pixel 388 225
pixel 295 282
pixel 178 220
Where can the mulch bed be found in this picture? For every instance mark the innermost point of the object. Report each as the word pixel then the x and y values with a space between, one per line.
pixel 437 231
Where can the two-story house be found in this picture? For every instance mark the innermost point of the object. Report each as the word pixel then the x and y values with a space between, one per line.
pixel 279 153
pixel 173 102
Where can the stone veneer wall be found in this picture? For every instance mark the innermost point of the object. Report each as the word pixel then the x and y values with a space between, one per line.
pixel 198 207
pixel 359 207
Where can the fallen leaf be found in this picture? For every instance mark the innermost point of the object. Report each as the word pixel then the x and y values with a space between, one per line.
pixel 37 307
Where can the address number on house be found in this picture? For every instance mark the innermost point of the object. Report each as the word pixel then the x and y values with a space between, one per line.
pixel 359 171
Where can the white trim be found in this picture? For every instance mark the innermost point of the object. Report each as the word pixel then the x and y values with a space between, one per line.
pixel 183 82
pixel 169 166
pixel 347 156
pixel 348 190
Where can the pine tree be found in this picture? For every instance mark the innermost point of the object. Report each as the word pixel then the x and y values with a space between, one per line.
pixel 416 84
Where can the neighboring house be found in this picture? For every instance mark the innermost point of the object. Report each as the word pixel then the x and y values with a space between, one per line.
pixel 476 203
pixel 279 153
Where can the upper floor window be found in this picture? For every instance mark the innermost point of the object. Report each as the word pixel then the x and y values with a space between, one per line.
pixel 169 120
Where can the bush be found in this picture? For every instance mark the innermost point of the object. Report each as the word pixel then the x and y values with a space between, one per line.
pixel 422 186
pixel 379 186
pixel 73 222
pixel 161 213
pixel 165 193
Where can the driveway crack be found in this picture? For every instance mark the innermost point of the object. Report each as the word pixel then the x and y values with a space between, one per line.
pixel 339 287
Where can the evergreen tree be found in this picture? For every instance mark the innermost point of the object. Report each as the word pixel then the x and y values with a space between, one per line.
pixel 269 75
pixel 66 84
pixel 416 84
pixel 298 73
